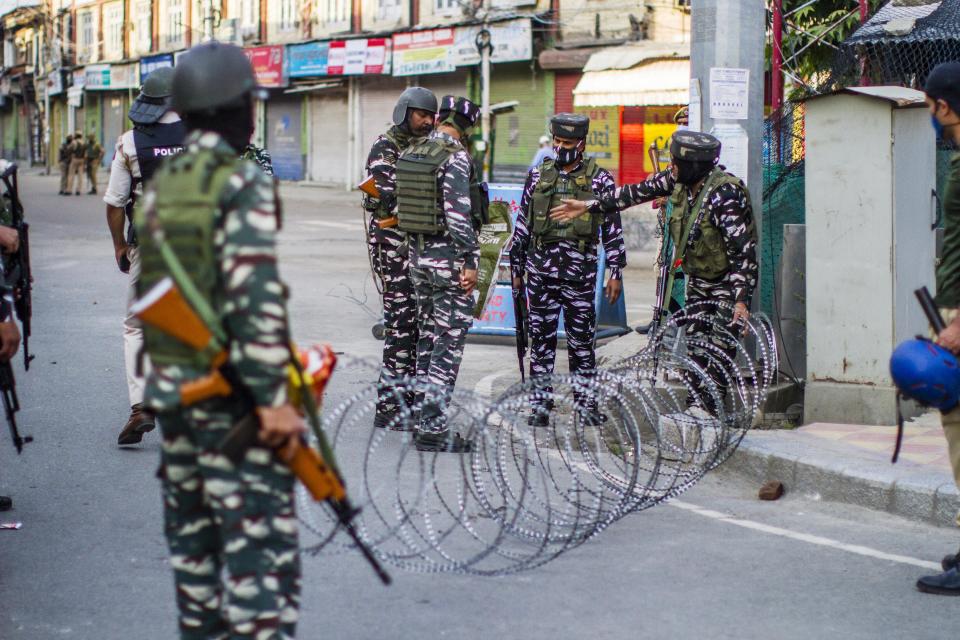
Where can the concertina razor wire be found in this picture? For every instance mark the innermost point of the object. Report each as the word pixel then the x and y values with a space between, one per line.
pixel 526 494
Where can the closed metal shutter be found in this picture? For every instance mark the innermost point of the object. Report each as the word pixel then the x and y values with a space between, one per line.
pixel 378 95
pixel 284 120
pixel 329 137
pixel 564 84
pixel 114 119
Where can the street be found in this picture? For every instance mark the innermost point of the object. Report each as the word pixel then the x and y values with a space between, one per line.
pixel 91 560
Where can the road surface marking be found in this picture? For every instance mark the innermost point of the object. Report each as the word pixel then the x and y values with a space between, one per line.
pixel 805 537
pixel 333 225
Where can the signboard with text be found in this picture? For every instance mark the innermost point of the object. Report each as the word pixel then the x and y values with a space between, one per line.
pixel 603 141
pixel 423 52
pixel 267 65
pixel 149 64
pixel 512 42
pixel 106 77
pixel 339 58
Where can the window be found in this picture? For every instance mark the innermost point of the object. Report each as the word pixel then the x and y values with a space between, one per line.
pixel 87 36
pixel 334 12
pixel 113 31
pixel 288 15
pixel 143 26
pixel 174 22
pixel 389 9
pixel 447 7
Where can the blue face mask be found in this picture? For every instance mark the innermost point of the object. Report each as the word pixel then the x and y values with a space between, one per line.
pixel 937 127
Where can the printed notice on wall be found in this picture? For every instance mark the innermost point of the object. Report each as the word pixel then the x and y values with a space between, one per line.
pixel 734 149
pixel 729 91
pixel 695 113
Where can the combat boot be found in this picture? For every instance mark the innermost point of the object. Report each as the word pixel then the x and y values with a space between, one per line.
pixel 944 584
pixel 394 420
pixel 950 561
pixel 139 423
pixel 6 503
pixel 592 417
pixel 539 417
pixel 443 441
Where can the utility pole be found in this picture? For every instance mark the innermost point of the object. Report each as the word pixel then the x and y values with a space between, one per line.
pixel 210 18
pixel 485 48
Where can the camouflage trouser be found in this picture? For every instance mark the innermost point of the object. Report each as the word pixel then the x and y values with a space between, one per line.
pixel 399 319
pixel 951 420
pixel 548 297
pixel 444 315
pixel 713 359
pixel 217 517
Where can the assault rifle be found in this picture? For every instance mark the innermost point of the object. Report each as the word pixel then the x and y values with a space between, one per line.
pixel 165 308
pixel 663 260
pixel 20 281
pixel 521 324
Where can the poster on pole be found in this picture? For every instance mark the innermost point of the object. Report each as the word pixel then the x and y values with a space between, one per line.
pixel 729 93
pixel 735 148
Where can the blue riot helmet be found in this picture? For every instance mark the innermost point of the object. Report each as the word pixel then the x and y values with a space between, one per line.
pixel 927 373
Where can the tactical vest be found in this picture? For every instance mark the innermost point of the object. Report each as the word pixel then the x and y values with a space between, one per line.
pixel 703 250
pixel 187 209
pixel 550 189
pixel 153 145
pixel 381 209
pixel 419 196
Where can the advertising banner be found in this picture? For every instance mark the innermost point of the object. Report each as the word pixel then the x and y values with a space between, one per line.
pixel 267 65
pixel 149 64
pixel 96 77
pixel 512 42
pixel 106 77
pixel 339 58
pixel 423 52
pixel 308 59
pixel 603 141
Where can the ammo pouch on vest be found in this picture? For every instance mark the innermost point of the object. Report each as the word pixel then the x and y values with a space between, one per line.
pixel 186 210
pixel 696 240
pixel 550 189
pixel 419 196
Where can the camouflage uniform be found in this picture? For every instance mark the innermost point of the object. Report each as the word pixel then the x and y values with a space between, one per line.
pixel 219 516
pixel 728 209
pixel 562 279
pixel 259 155
pixel 389 259
pixel 444 310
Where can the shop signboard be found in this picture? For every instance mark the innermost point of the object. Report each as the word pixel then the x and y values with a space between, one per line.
pixel 603 141
pixel 512 41
pixel 267 65
pixel 96 77
pixel 339 58
pixel 423 52
pixel 149 64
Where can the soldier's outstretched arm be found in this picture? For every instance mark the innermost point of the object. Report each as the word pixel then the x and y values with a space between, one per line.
pixel 456 209
pixel 254 300
pixel 656 186
pixel 521 232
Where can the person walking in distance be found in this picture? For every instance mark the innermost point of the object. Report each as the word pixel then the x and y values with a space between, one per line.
pixel 78 153
pixel 157 134
pixel 63 158
pixel 93 154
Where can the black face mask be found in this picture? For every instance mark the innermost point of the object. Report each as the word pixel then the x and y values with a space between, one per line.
pixel 689 173
pixel 566 157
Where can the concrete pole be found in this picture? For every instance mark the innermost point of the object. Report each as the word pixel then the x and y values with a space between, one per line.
pixel 732 34
pixel 485 49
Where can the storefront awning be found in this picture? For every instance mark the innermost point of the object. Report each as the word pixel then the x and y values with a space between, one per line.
pixel 654 83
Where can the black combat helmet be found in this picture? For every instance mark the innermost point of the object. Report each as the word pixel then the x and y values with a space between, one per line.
pixel 459 112
pixel 693 146
pixel 413 98
pixel 570 125
pixel 154 98
pixel 211 77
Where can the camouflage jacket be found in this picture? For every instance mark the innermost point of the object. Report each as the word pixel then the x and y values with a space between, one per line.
pixel 457 245
pixel 727 210
pixel 382 166
pixel 254 310
pixel 260 156
pixel 564 260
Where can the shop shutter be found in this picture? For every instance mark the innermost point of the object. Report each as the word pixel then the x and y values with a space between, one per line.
pixel 378 95
pixel 329 137
pixel 565 82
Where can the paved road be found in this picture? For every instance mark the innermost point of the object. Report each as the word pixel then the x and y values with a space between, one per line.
pixel 91 562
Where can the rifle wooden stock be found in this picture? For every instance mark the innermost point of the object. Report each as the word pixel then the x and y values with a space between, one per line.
pixel 315 475
pixel 212 385
pixel 388 223
pixel 165 309
pixel 369 187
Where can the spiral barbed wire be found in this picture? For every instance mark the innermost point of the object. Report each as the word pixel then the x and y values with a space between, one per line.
pixel 526 494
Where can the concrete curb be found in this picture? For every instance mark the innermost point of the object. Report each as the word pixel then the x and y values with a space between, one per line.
pixel 825 470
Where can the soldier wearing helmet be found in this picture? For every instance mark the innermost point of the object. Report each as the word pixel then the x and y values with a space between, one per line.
pixel 157 134
pixel 560 260
pixel 218 215
pixel 413 118
pixel 714 239
pixel 441 206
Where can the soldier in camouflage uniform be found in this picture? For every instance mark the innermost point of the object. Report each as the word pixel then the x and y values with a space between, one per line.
pixel 439 204
pixel 561 265
pixel 259 155
pixel 413 118
pixel 220 216
pixel 713 233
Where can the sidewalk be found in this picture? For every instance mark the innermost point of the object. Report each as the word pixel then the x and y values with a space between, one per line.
pixel 850 464
pixel 845 463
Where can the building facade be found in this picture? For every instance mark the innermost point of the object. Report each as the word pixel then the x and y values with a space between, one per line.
pixel 334 69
